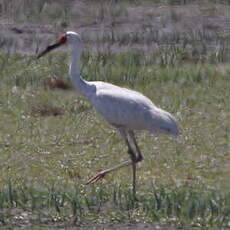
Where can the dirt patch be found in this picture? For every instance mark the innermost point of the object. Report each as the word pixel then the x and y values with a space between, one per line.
pixel 87 226
pixel 55 82
pixel 136 226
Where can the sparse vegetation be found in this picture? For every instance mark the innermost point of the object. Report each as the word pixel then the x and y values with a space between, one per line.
pixel 199 207
pixel 52 140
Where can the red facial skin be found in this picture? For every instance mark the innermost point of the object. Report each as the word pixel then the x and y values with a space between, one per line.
pixel 62 40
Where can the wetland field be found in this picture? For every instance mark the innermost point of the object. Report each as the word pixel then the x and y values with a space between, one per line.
pixel 52 140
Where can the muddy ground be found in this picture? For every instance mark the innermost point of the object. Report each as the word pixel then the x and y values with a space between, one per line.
pixel 91 226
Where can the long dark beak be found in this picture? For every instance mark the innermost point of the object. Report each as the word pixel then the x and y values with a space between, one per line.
pixel 48 49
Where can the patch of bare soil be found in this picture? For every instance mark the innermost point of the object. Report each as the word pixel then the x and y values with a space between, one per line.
pixel 93 226
pixel 55 82
pixel 45 110
pixel 135 226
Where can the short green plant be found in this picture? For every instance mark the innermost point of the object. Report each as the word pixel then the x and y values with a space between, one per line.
pixel 45 158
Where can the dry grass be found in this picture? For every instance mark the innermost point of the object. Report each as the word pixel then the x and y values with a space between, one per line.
pixel 120 27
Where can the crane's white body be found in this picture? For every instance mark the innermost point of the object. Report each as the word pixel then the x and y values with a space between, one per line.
pixel 121 107
pixel 131 110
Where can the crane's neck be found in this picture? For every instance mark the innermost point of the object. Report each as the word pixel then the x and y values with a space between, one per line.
pixel 84 87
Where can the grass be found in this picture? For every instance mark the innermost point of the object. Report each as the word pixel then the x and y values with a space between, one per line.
pixel 52 140
pixel 62 13
pixel 199 207
pixel 46 155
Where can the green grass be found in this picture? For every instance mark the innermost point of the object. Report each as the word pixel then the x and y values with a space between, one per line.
pixel 52 141
pixel 105 204
pixel 45 159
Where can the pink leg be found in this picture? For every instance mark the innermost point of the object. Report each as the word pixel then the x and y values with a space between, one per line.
pixel 102 174
pixel 134 159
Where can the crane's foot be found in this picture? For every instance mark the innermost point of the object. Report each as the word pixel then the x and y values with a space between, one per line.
pixel 96 178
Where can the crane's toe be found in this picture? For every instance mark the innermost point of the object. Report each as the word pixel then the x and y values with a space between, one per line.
pixel 97 177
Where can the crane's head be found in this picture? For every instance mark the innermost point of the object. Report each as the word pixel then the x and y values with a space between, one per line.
pixel 69 37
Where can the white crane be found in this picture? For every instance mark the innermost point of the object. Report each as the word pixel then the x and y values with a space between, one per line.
pixel 125 109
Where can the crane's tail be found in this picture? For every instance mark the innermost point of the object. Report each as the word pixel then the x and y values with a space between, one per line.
pixel 165 123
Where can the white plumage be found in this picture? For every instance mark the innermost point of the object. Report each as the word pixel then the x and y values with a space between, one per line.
pixel 125 109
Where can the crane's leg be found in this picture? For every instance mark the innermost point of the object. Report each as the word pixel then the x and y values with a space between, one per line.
pixel 133 161
pixel 139 155
pixel 102 174
pixel 133 157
